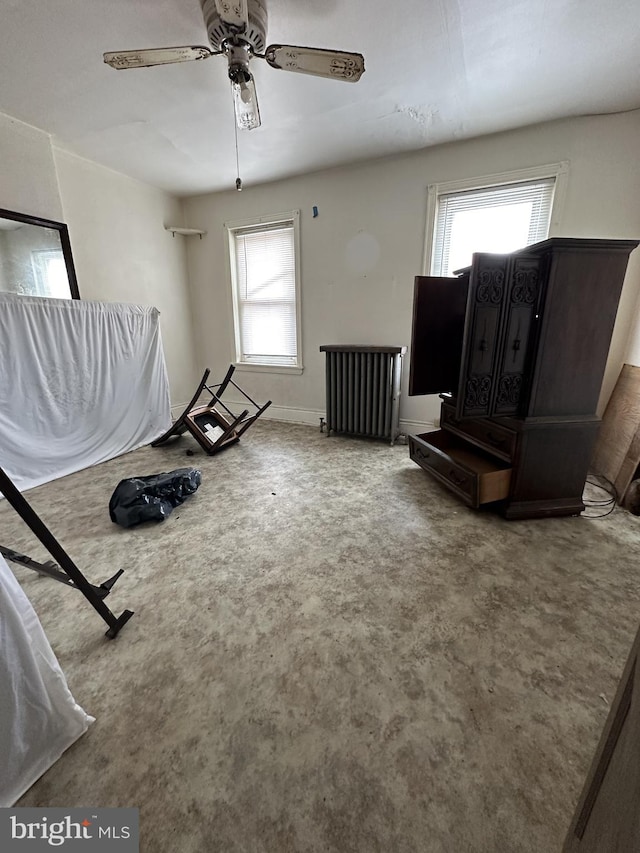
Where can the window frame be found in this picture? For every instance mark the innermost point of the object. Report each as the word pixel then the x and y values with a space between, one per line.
pixel 558 171
pixel 230 228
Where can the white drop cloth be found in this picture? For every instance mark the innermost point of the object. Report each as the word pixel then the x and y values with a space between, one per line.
pixel 80 383
pixel 39 717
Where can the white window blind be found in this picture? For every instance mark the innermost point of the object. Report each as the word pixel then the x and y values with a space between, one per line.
pixel 265 283
pixel 492 219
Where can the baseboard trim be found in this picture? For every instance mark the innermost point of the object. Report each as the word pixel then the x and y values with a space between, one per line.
pixel 310 417
pixel 417 427
pixel 177 410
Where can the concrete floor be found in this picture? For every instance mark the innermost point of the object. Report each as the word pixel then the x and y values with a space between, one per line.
pixel 330 653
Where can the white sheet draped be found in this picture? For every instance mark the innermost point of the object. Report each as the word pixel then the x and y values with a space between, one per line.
pixel 39 718
pixel 80 383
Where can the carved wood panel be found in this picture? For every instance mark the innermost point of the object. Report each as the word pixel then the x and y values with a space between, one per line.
pixel 481 336
pixel 521 305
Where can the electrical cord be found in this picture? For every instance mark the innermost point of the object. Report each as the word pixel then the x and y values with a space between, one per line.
pixel 610 502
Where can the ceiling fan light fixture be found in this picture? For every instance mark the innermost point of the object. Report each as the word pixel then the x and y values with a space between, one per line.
pixel 245 100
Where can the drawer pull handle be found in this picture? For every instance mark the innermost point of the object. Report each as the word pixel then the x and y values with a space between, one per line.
pixel 495 441
pixel 456 479
pixel 421 454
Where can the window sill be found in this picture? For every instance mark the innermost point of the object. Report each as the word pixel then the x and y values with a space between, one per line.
pixel 267 368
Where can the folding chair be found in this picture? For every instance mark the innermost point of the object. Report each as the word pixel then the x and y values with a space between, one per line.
pixel 211 428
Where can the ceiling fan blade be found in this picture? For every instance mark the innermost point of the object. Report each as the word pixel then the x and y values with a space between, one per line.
pixel 312 60
pixel 155 56
pixel 234 13
pixel 245 103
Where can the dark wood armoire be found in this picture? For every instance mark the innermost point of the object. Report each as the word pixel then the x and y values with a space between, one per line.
pixel 516 345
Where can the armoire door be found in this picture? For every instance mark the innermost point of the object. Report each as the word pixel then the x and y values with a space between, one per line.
pixel 503 305
pixel 439 306
pixel 607 818
pixel 481 340
pixel 522 305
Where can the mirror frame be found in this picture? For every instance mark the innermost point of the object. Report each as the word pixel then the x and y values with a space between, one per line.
pixel 64 242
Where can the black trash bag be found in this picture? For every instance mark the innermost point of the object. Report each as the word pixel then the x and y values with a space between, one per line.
pixel 152 498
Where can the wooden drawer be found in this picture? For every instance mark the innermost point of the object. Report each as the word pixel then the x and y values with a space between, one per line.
pixel 490 436
pixel 475 477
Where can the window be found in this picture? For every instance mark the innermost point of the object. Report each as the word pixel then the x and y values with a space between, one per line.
pixel 50 273
pixel 490 215
pixel 264 262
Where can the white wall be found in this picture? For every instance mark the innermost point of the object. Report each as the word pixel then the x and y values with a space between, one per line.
pixel 360 255
pixel 123 253
pixel 116 227
pixel 27 173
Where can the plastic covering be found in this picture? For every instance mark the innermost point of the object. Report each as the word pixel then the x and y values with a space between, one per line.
pixel 81 382
pixel 39 717
pixel 152 498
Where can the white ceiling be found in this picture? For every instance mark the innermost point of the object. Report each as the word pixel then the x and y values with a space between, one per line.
pixel 435 71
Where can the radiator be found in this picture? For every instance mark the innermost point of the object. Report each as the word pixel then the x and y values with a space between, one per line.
pixel 363 390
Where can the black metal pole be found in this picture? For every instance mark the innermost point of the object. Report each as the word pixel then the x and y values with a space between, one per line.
pixel 40 529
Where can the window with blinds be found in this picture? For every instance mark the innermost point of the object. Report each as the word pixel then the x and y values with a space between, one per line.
pixel 266 294
pixel 500 219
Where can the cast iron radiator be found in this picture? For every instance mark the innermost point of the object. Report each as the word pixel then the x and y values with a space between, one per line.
pixel 363 390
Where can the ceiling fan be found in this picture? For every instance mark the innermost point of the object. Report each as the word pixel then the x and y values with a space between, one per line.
pixel 237 29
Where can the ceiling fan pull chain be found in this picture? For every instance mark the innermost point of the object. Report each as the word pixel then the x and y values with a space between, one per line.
pixel 238 178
